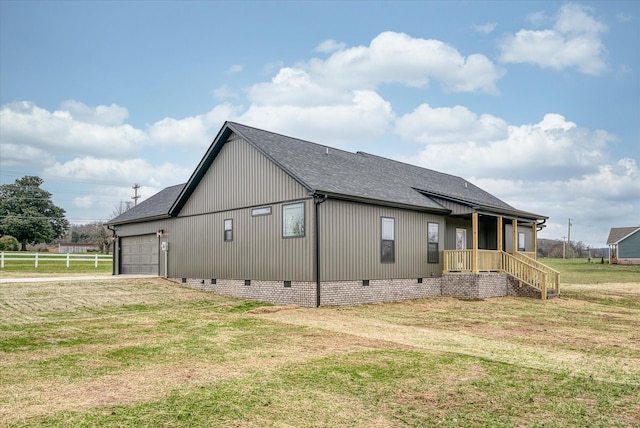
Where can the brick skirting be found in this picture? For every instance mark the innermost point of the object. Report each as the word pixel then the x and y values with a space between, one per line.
pixel 335 293
pixel 474 286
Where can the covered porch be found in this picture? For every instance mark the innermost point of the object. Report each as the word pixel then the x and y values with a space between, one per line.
pixel 518 259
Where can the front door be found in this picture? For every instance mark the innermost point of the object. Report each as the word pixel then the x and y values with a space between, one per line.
pixel 463 260
pixel 461 239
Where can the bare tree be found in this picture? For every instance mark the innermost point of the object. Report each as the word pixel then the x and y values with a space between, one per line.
pixel 120 208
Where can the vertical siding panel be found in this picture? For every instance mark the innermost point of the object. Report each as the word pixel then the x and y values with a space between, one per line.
pixel 257 251
pixel 350 242
pixel 241 176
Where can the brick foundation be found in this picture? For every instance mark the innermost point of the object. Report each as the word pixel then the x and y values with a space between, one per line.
pixel 474 286
pixel 299 293
pixel 377 291
pixel 335 293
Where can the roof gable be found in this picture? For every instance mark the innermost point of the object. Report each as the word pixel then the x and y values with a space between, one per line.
pixel 156 206
pixel 617 234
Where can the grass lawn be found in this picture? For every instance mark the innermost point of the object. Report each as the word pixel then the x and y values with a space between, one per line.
pixel 57 267
pixel 148 352
pixel 579 271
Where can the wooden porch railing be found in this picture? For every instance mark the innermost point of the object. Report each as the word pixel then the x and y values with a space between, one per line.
pixel 529 254
pixel 520 266
pixel 461 261
pixel 553 276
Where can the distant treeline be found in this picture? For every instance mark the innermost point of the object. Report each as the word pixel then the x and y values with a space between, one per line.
pixel 554 248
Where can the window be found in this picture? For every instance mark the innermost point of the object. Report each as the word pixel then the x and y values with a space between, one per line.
pixel 387 245
pixel 293 220
pixel 433 238
pixel 261 211
pixel 228 230
pixel 521 242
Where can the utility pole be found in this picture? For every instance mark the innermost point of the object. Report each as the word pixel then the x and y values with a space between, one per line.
pixel 135 196
pixel 564 246
pixel 569 233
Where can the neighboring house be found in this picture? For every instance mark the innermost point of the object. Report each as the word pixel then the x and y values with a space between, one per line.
pixel 624 245
pixel 76 247
pixel 278 219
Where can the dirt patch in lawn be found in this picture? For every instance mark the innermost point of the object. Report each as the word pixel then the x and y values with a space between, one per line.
pixel 602 343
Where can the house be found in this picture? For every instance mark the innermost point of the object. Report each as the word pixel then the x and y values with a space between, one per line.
pixel 624 245
pixel 274 218
pixel 76 247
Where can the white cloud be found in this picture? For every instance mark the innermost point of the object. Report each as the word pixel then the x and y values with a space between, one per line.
pixel 330 45
pixel 340 90
pixel 91 169
pixel 14 155
pixel 449 125
pixel 294 86
pixel 398 58
pixel 235 68
pixel 574 41
pixel 595 202
pixel 190 132
pixel 623 17
pixel 73 129
pixel 537 18
pixel 554 148
pixel 364 116
pixel 224 92
pixel 553 168
pixel 485 28
pixel 112 115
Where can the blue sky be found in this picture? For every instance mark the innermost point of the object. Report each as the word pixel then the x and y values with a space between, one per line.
pixel 536 102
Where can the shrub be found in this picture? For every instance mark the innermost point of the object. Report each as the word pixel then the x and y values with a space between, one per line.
pixel 9 243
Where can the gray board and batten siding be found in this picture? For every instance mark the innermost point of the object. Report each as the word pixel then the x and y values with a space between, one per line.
pixel 240 180
pixel 241 177
pixel 350 237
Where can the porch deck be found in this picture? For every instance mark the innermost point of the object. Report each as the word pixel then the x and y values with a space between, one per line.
pixel 522 265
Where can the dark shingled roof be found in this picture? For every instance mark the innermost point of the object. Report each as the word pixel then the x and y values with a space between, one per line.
pixel 362 175
pixel 618 233
pixel 337 173
pixel 156 206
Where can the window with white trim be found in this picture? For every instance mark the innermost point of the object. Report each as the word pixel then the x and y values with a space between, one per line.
pixel 228 230
pixel 293 220
pixel 388 240
pixel 433 240
pixel 521 242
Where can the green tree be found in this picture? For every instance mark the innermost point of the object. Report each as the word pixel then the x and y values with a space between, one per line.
pixel 28 214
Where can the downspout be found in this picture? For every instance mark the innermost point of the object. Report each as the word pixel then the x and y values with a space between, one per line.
pixel 317 200
pixel 114 238
pixel 541 226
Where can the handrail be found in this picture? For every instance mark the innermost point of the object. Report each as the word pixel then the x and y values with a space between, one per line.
pixel 552 274
pixel 526 272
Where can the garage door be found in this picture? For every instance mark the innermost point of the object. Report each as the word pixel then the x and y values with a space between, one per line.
pixel 139 254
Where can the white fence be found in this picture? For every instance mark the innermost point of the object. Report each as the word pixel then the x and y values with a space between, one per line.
pixel 41 257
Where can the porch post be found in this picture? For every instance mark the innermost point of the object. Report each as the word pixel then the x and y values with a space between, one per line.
pixel 500 232
pixel 514 249
pixel 500 238
pixel 474 253
pixel 534 239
